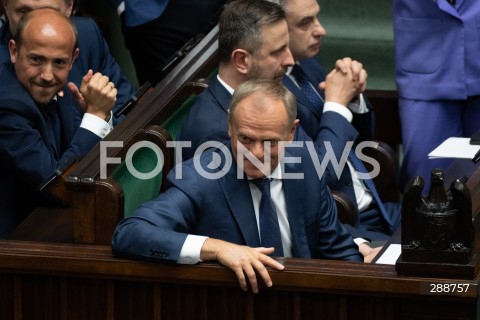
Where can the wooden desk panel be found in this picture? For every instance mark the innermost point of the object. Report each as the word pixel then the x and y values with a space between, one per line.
pixel 69 281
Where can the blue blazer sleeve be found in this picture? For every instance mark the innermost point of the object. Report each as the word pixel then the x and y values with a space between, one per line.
pixel 95 54
pixel 159 227
pixel 27 153
pixel 207 119
pixel 24 144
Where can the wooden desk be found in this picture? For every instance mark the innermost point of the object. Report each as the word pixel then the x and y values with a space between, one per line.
pixel 71 281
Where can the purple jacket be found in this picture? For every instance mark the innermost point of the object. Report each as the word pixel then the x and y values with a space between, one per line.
pixel 437 48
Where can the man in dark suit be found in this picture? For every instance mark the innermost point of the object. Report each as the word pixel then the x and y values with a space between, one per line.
pixel 155 30
pixel 214 209
pixel 306 33
pixel 253 43
pixel 94 51
pixel 41 124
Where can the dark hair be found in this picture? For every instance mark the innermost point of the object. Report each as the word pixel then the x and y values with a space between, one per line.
pixel 22 23
pixel 241 23
pixel 268 87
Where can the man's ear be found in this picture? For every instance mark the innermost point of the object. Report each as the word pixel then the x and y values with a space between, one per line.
pixel 229 124
pixel 229 128
pixel 12 48
pixel 292 129
pixel 75 56
pixel 69 12
pixel 241 60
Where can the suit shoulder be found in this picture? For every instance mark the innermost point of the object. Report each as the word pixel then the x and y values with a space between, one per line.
pixel 303 157
pixel 205 117
pixel 313 67
pixel 84 24
pixel 311 63
pixel 89 35
pixel 211 160
pixel 12 94
pixel 204 100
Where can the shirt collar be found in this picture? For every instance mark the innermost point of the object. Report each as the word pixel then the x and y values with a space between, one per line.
pixel 276 174
pixel 229 89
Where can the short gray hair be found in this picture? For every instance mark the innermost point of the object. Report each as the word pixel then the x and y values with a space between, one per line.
pixel 268 87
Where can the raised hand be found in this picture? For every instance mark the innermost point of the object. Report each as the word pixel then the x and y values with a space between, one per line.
pixel 96 93
pixel 345 82
pixel 78 96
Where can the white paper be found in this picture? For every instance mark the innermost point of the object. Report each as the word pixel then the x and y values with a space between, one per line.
pixel 390 255
pixel 455 147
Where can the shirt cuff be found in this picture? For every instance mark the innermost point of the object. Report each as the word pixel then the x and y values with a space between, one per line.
pixel 190 253
pixel 121 8
pixel 359 241
pixel 338 108
pixel 360 107
pixel 96 124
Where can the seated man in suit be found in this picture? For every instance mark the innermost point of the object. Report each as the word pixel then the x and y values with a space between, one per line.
pixel 41 124
pixel 94 51
pixel 253 43
pixel 217 209
pixel 376 220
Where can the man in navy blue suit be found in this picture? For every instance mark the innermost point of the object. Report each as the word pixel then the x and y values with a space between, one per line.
pixel 94 52
pixel 254 43
pixel 306 35
pixel 42 124
pixel 214 209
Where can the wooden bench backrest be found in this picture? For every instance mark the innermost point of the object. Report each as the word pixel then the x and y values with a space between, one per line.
pixel 100 202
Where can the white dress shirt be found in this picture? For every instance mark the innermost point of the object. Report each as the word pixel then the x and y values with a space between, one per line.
pixel 190 252
pixel 362 194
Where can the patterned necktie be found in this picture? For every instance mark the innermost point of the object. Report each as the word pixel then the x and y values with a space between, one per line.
pixel 270 235
pixel 307 87
pixel 360 167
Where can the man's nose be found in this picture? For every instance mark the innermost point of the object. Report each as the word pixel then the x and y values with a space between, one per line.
pixel 288 58
pixel 319 30
pixel 47 73
pixel 257 150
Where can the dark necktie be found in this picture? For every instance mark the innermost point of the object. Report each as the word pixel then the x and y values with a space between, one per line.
pixel 306 87
pixel 269 227
pixel 360 167
pixel 53 124
pixel 452 2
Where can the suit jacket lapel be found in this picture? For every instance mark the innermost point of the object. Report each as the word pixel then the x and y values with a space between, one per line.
pixel 237 193
pixel 69 118
pixel 294 197
pixel 446 7
pixel 313 77
pixel 301 97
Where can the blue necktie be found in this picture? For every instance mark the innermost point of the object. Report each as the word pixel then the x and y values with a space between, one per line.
pixel 306 87
pixel 269 227
pixel 360 167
